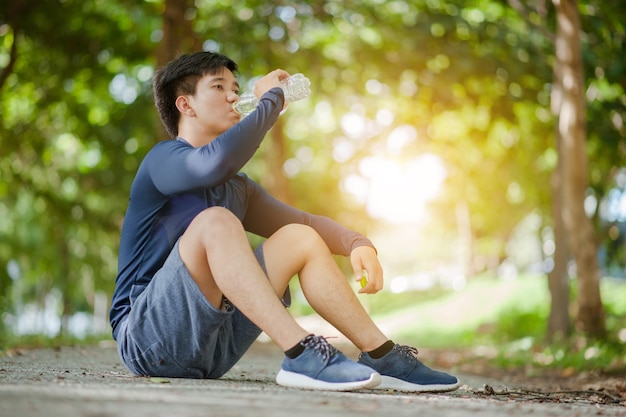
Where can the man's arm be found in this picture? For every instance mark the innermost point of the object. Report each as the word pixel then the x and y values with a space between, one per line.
pixel 266 214
pixel 176 166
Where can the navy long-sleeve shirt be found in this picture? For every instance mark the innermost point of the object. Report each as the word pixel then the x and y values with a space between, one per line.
pixel 176 181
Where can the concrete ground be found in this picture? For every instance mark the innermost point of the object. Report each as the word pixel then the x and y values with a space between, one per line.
pixel 91 382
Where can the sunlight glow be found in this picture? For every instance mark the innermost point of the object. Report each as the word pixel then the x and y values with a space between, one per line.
pixel 392 185
pixel 397 191
pixel 399 138
pixel 353 125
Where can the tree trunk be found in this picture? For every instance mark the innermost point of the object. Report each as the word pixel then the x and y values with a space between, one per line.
pixel 178 35
pixel 464 228
pixel 275 156
pixel 572 132
pixel 558 278
pixel 178 38
pixel 65 279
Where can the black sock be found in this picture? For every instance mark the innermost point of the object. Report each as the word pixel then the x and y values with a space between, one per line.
pixel 382 350
pixel 295 351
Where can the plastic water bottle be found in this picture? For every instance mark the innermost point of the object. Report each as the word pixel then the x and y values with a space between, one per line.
pixel 296 87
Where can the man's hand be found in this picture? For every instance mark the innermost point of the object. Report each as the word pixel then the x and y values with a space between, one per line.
pixel 365 260
pixel 270 81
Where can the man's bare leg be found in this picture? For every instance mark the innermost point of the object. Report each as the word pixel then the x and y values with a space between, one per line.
pixel 217 254
pixel 217 238
pixel 298 249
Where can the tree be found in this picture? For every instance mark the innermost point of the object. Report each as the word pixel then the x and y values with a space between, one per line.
pixel 558 277
pixel 573 228
pixel 570 110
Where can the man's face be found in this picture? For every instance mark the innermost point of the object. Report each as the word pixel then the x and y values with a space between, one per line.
pixel 213 102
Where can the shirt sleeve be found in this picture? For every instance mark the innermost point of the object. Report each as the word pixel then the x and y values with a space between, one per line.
pixel 266 215
pixel 175 166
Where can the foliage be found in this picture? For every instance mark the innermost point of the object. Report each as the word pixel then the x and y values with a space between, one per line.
pixel 69 136
pixel 579 352
pixel 512 324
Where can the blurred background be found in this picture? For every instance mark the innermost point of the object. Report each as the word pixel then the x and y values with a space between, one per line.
pixel 479 143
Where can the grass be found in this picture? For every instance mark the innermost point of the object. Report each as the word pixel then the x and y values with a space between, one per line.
pixel 461 319
pixel 510 316
pixel 32 341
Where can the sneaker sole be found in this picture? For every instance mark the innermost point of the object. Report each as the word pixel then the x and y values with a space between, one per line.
pixel 295 380
pixel 391 383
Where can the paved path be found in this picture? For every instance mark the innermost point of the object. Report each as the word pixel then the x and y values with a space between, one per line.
pixel 91 382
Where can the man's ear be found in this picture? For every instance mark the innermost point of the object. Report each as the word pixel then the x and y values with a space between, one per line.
pixel 184 107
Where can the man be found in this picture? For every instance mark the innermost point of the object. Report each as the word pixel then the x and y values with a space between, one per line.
pixel 192 296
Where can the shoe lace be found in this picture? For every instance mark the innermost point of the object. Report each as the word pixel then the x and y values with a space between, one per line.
pixel 320 345
pixel 408 352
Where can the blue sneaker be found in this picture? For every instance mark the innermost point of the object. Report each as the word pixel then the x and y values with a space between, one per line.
pixel 322 367
pixel 401 370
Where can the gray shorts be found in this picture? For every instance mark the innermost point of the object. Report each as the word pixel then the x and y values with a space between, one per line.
pixel 173 331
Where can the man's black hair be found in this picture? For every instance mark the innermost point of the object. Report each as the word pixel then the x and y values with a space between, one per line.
pixel 180 77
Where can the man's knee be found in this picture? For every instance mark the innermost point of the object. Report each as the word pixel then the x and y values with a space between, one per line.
pixel 216 220
pixel 304 236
